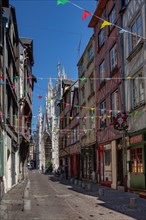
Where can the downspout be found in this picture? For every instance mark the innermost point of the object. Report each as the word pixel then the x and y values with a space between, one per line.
pixel 124 150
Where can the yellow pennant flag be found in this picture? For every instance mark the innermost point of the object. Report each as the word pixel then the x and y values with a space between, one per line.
pixel 105 23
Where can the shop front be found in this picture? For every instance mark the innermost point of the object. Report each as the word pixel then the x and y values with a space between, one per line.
pixel 88 162
pixel 104 165
pixel 75 161
pixel 137 161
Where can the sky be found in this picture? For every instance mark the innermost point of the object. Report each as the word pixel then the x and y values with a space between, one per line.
pixel 56 31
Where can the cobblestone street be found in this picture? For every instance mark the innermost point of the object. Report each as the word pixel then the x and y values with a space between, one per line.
pixel 51 198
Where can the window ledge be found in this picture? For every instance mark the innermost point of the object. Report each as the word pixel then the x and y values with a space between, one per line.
pixel 139 105
pixel 135 50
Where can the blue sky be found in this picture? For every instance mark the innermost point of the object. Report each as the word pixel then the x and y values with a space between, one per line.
pixel 56 32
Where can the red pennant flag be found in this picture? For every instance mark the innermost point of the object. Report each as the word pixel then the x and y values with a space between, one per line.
pixel 39 96
pixel 85 14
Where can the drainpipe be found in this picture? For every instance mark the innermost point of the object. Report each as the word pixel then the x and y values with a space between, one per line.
pixel 124 150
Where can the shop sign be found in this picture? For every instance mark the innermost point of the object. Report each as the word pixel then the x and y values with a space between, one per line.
pixel 136 139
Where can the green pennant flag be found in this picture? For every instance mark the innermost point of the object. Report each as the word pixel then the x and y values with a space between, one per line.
pixel 59 2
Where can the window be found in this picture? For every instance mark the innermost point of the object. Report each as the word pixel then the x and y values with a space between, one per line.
pixel 101 38
pixel 107 157
pixel 112 18
pixel 92 119
pixel 113 57
pixel 82 95
pixel 136 160
pixel 90 54
pixel 138 90
pixel 91 84
pixel 136 29
pixel 102 71
pixel 103 114
pixel 114 104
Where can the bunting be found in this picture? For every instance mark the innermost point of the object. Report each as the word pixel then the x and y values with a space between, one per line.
pixel 105 23
pixel 61 2
pixel 85 14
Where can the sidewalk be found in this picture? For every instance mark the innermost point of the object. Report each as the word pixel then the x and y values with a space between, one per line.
pixel 113 199
pixel 12 202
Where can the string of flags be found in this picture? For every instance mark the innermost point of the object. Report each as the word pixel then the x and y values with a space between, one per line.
pixel 104 24
pixel 107 114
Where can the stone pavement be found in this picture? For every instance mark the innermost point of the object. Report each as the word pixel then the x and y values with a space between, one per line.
pixel 115 200
pixel 12 206
pixel 13 201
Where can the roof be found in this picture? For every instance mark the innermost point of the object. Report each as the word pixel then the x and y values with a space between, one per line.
pixel 28 43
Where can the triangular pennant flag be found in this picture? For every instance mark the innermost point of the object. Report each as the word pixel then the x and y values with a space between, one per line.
pixel 122 31
pixel 105 23
pixel 13 87
pixel 85 14
pixel 2 77
pixel 2 83
pixel 67 104
pixel 39 96
pixel 82 79
pixel 59 2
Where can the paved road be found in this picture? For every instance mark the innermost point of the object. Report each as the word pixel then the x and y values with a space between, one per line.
pixel 52 199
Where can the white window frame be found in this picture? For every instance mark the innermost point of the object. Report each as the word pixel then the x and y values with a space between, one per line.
pixel 112 17
pixel 138 90
pixel 136 28
pixel 113 57
pixel 102 71
pixel 103 114
pixel 114 104
pixel 101 38
pixel 90 54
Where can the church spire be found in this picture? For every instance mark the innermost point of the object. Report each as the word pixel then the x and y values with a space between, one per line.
pixel 58 69
pixel 63 73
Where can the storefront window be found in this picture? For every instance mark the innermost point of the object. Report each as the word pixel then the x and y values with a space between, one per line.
pixel 136 160
pixel 107 157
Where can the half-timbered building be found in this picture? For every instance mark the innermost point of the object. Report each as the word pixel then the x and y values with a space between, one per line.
pixel 108 93
pixel 134 22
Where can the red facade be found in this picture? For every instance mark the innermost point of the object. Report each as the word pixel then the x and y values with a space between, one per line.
pixel 108 82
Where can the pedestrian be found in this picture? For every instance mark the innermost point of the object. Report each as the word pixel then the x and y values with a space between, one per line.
pixel 42 168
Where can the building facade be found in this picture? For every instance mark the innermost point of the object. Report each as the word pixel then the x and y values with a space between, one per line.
pixel 134 13
pixel 108 93
pixel 87 107
pixel 74 132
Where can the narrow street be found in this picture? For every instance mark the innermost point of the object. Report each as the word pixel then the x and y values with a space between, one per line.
pixel 50 198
